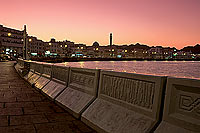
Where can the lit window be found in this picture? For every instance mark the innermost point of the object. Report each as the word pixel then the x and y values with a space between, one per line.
pixel 113 50
pixel 65 46
pixel 9 34
pixel 125 50
pixel 81 47
pixel 61 46
pixel 97 48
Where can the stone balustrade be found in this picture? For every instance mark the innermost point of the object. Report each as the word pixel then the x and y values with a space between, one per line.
pixel 118 102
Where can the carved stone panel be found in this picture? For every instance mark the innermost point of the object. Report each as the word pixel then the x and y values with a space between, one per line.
pixel 133 91
pixel 182 105
pixel 84 80
pixel 60 73
pixel 32 66
pixel 126 103
pixel 74 101
pixel 33 78
pixel 80 92
pixel 108 117
pixel 47 69
pixel 38 68
pixel 41 82
pixel 26 77
pixel 52 89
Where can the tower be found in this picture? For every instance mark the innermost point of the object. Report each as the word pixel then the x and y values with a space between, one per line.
pixel 110 39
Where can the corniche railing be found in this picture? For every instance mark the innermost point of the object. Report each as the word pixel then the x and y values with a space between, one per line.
pixel 117 102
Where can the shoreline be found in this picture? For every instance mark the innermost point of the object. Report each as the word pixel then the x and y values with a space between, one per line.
pixel 60 60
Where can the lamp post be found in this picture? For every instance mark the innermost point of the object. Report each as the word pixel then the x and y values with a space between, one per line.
pixel 25 44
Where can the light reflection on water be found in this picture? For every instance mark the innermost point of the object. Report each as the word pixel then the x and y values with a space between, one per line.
pixel 183 69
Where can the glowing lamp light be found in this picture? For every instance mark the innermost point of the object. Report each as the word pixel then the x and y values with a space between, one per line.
pixel 29 39
pixel 65 46
pixel 113 50
pixel 9 34
pixel 49 44
pixel 125 50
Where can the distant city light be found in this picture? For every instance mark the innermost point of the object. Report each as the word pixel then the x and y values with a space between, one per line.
pixel 33 54
pixel 175 54
pixel 9 34
pixel 47 52
pixel 119 56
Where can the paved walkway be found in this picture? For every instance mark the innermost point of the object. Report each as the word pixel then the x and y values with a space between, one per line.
pixel 25 110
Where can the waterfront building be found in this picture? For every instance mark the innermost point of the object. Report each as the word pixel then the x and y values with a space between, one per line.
pixel 36 47
pixel 11 44
pixel 11 41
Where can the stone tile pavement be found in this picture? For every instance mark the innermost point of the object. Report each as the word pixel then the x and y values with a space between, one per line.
pixel 23 109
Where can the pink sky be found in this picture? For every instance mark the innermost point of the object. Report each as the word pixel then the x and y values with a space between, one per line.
pixel 152 22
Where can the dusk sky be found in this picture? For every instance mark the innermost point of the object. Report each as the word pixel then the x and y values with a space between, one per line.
pixel 174 23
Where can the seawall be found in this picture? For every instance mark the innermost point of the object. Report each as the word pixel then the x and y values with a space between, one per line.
pixel 118 102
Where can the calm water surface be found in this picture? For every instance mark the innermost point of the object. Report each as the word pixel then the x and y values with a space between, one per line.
pixel 183 69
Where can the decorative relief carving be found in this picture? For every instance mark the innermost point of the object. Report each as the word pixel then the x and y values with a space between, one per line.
pixel 38 68
pixel 32 66
pixel 82 79
pixel 137 92
pixel 60 73
pixel 189 104
pixel 47 70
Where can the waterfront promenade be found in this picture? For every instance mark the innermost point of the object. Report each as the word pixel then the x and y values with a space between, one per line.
pixel 23 109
